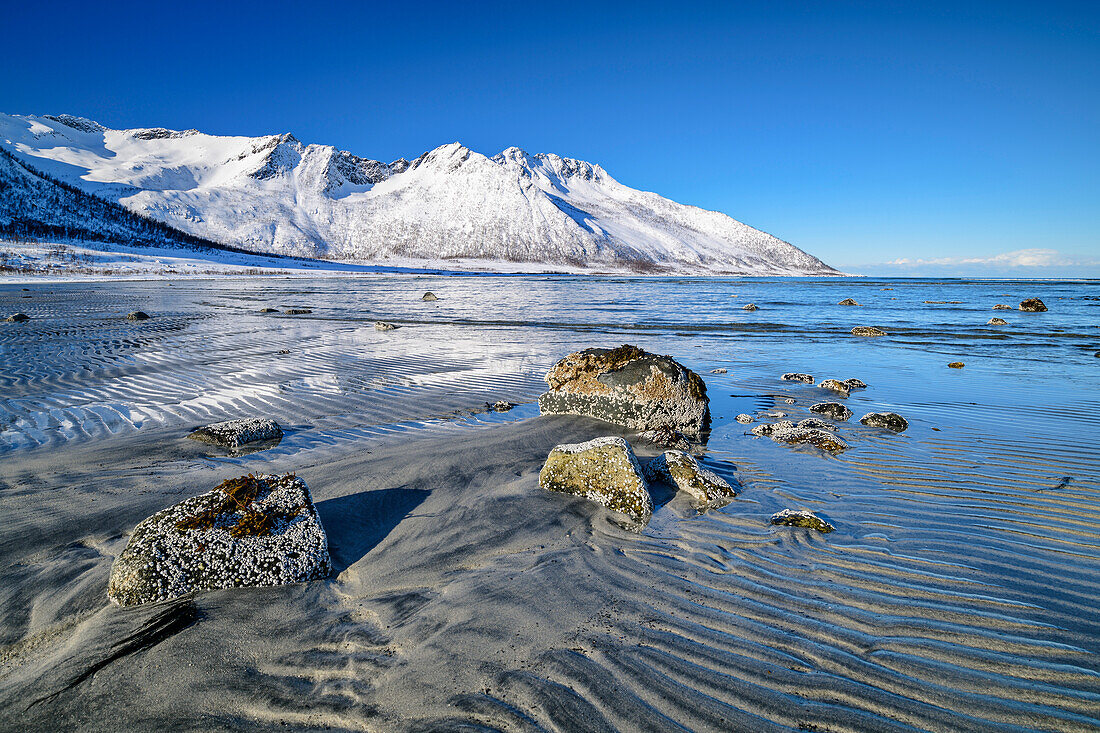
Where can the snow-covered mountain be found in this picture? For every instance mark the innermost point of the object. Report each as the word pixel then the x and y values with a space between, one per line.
pixel 276 194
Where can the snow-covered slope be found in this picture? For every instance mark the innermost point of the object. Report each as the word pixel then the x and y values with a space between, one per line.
pixel 276 194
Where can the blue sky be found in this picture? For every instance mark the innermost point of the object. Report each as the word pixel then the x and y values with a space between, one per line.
pixel 944 138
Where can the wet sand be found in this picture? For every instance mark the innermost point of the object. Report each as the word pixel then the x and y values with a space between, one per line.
pixel 958 592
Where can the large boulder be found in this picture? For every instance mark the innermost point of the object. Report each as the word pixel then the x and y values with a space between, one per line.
pixel 629 387
pixel 235 433
pixel 249 531
pixel 1032 305
pixel 603 470
pixel 681 470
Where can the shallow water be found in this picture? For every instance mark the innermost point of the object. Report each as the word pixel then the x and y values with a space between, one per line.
pixel 959 591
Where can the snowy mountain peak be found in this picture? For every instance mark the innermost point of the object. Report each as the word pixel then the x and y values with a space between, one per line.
pixel 276 194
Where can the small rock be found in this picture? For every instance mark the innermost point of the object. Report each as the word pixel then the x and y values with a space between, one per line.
pixel 746 419
pixel 680 469
pixel 801 518
pixel 429 296
pixel 854 383
pixel 835 385
pixel 297 311
pixel 269 310
pixel 774 413
pixel 500 406
pixel 869 331
pixel 1032 305
pixel 956 365
pixel 235 433
pixel 935 302
pixel 717 371
pixel 814 423
pixel 630 387
pixel 750 307
pixel 603 470
pixel 834 410
pixel 17 318
pixel 383 326
pixel 798 377
pixel 785 431
pixel 1002 307
pixel 848 301
pixel 249 531
pixel 888 420
pixel 997 322
pixel 666 437
pixel 789 400
pixel 137 316
pixel 282 352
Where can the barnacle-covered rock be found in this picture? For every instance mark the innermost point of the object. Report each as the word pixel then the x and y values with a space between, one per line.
pixel 384 326
pixel 429 296
pixel 630 387
pixel 888 420
pixel 835 385
pixel 269 310
pixel 785 431
pixel 956 365
pixel 680 469
pixel 603 470
pixel 854 383
pixel 17 318
pixel 1032 305
pixel 745 419
pixel 801 518
pixel 813 422
pixel 137 316
pixel 997 322
pixel 666 437
pixel 798 377
pixel 249 531
pixel 1002 307
pixel 500 406
pixel 848 301
pixel 297 311
pixel 235 433
pixel 834 410
pixel 869 331
pixel 750 307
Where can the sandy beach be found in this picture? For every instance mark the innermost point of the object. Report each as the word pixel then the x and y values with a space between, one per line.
pixel 958 592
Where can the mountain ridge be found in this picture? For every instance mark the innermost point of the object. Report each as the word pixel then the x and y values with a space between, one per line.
pixel 276 194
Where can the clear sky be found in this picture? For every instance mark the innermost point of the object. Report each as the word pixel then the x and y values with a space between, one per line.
pixel 918 134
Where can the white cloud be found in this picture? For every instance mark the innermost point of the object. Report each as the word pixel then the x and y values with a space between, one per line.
pixel 1018 258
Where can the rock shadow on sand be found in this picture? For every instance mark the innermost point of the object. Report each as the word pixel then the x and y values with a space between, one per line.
pixel 357 523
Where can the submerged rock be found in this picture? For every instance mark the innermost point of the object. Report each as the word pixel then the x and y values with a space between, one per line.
pixel 667 438
pixel 249 531
pixel 854 383
pixel 500 406
pixel 629 387
pixel 1032 305
pixel 785 431
pixel 137 316
pixel 429 296
pixel 1002 307
pixel 680 469
pixel 848 301
pixel 813 422
pixel 17 318
pixel 746 419
pixel 869 331
pixel 269 310
pixel 383 326
pixel 956 365
pixel 834 410
pixel 235 433
pixel 603 470
pixel 835 385
pixel 801 518
pixel 297 311
pixel 798 377
pixel 997 322
pixel 888 420
pixel 717 371
pixel 750 307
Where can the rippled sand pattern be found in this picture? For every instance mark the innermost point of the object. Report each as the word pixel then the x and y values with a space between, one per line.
pixel 959 591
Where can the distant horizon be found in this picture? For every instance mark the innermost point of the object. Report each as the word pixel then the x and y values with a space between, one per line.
pixel 879 139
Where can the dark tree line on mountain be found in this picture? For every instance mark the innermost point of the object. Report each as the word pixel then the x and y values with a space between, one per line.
pixel 36 207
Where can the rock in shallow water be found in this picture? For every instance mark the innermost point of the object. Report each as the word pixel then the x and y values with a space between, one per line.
pixel 798 377
pixel 629 387
pixel 249 531
pixel 869 331
pixel 785 431
pixel 956 365
pixel 745 419
pixel 137 316
pixel 997 322
pixel 750 307
pixel 888 420
pixel 1002 307
pixel 500 406
pixel 854 383
pixel 429 296
pixel 297 311
pixel 1032 305
pixel 384 326
pixel 834 410
pixel 269 310
pixel 801 518
pixel 235 433
pixel 848 301
pixel 17 318
pixel 603 470
pixel 835 385
pixel 681 470
pixel 667 438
